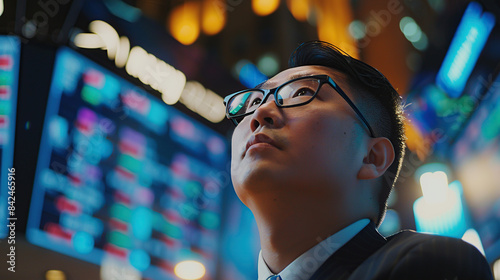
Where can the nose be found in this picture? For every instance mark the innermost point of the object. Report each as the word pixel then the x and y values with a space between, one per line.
pixel 268 114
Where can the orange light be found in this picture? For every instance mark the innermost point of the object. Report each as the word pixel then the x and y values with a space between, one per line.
pixel 299 9
pixel 264 7
pixel 415 140
pixel 332 23
pixel 213 16
pixel 184 22
pixel 55 275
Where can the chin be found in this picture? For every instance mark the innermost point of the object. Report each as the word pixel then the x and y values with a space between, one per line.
pixel 256 180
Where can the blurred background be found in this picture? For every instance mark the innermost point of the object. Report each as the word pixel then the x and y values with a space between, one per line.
pixel 115 151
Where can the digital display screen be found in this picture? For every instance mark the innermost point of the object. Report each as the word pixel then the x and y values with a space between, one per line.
pixel 434 112
pixel 122 179
pixel 476 158
pixel 484 126
pixel 10 47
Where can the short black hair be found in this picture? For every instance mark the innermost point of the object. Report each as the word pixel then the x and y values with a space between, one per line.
pixel 381 102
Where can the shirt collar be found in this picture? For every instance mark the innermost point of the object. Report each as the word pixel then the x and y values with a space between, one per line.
pixel 305 265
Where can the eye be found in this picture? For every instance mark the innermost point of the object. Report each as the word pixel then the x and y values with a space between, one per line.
pixel 303 92
pixel 255 101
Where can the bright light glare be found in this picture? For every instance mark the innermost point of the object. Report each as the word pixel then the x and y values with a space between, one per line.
pixel 445 218
pixel 136 61
pixel 152 71
pixel 435 166
pixel 156 73
pixel 191 94
pixel 473 238
pixel 434 187
pixel 496 269
pixel 88 41
pixel 122 53
pixel 264 7
pixel 203 101
pixel 172 88
pixel 214 109
pixel 189 270
pixel 112 269
pixel 108 35
pixel 1 7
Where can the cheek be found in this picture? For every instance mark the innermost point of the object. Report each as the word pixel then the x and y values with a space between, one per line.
pixel 326 142
pixel 238 139
pixel 238 142
pixel 234 149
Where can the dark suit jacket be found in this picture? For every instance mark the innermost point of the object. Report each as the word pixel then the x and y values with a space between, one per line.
pixel 405 255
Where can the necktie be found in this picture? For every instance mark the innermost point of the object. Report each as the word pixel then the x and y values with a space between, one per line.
pixel 274 277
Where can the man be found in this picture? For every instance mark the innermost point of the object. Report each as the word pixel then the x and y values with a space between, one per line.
pixel 315 153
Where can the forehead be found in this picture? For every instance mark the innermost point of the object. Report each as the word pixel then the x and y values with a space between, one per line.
pixel 302 71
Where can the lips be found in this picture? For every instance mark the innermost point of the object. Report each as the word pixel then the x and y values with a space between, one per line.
pixel 259 138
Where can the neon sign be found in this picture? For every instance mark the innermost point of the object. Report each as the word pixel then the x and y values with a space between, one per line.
pixel 467 44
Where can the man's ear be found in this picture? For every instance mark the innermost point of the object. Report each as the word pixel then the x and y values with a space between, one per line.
pixel 379 157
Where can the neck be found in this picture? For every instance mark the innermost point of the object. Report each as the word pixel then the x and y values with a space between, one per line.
pixel 288 228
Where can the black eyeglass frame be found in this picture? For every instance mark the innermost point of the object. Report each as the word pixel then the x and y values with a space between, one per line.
pixel 323 79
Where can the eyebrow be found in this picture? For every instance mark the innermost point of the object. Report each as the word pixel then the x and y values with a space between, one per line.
pixel 294 76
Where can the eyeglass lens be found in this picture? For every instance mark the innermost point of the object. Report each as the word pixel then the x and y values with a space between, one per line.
pixel 293 93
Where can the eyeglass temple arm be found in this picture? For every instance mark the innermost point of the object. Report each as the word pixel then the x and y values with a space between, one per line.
pixel 348 100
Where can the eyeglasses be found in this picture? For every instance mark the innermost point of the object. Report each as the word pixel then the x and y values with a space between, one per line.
pixel 296 92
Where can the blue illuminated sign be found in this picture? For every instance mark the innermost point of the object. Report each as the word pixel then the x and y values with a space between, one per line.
pixel 467 44
pixel 250 76
pixel 447 218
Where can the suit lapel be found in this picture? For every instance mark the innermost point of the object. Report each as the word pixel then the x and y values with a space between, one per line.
pixel 348 257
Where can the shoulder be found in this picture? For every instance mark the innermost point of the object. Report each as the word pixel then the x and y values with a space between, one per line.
pixel 409 240
pixel 433 257
pixel 430 245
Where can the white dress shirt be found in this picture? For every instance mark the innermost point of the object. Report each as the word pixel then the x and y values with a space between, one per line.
pixel 303 267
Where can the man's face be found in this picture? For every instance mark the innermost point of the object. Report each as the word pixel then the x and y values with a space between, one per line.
pixel 307 150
